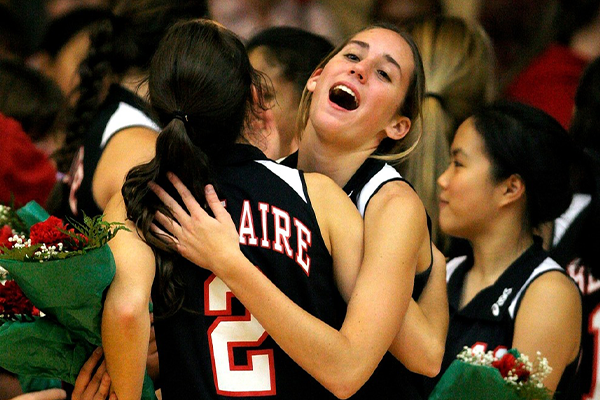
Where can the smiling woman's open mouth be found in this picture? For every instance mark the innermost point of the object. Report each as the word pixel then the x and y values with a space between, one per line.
pixel 344 97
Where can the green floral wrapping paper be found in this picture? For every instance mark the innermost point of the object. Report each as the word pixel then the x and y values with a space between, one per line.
pixel 463 381
pixel 70 292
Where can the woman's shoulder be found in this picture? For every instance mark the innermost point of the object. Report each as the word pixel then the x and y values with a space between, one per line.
pixel 554 283
pixel 397 195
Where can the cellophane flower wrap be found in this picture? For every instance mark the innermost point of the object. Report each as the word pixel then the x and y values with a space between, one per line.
pixel 505 375
pixel 64 272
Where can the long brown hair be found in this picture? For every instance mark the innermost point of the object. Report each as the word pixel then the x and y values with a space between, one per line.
pixel 203 90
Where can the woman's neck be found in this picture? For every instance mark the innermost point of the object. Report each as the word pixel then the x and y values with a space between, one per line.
pixel 493 253
pixel 327 158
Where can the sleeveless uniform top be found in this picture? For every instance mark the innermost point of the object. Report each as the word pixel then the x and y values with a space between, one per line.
pixel 361 187
pixel 120 110
pixel 490 316
pixel 213 348
pixel 574 248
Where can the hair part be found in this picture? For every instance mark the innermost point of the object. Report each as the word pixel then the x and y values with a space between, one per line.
pixel 295 50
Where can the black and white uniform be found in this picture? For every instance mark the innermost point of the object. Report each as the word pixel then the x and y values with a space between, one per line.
pixel 490 316
pixel 120 110
pixel 574 248
pixel 213 348
pixel 361 187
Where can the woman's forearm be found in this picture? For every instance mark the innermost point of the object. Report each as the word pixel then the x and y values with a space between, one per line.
pixel 125 335
pixel 420 344
pixel 339 360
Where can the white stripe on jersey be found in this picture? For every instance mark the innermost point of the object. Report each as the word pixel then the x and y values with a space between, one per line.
pixel 452 265
pixel 547 265
pixel 289 175
pixel 387 173
pixel 561 224
pixel 126 116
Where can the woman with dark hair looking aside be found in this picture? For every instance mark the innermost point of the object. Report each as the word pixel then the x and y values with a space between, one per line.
pixel 509 173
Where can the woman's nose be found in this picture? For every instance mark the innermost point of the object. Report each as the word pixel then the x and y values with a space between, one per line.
pixel 359 71
pixel 442 180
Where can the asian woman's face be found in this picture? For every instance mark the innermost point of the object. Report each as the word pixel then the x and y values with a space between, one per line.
pixel 469 194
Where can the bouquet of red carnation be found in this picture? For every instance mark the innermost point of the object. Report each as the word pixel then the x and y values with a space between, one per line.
pixel 14 305
pixel 64 271
pixel 503 375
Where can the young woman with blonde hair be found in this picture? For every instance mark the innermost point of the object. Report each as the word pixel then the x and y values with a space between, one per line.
pixel 458 59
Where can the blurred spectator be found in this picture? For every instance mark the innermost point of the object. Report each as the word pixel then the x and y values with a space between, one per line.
pixel 459 67
pixel 247 17
pixel 288 56
pixel 25 171
pixel 11 34
pixel 575 233
pixel 57 8
pixel 35 101
pixel 402 12
pixel 550 81
pixel 65 44
pixel 350 15
pixel 519 30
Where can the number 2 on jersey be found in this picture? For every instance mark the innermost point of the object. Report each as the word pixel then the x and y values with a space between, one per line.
pixel 228 332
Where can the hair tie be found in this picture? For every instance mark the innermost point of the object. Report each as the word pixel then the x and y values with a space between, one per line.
pixel 181 116
pixel 436 96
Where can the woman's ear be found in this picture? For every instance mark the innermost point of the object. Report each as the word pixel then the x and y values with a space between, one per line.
pixel 398 128
pixel 311 84
pixel 513 188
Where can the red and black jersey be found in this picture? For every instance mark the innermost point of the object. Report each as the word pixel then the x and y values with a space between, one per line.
pixel 213 348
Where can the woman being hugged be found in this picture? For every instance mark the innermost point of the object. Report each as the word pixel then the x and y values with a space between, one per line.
pixel 356 112
pixel 300 231
pixel 509 172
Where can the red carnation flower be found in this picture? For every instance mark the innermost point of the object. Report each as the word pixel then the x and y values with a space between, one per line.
pixel 13 301
pixel 5 234
pixel 508 363
pixel 522 372
pixel 48 232
pixel 505 364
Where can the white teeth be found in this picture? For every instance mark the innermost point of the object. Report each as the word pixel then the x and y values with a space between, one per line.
pixel 346 89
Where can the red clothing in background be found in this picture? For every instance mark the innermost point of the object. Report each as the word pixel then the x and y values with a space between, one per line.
pixel 25 171
pixel 550 82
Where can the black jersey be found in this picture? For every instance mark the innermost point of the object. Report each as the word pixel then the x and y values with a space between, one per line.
pixel 213 348
pixel 574 248
pixel 121 109
pixel 391 379
pixel 489 318
pixel 361 188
